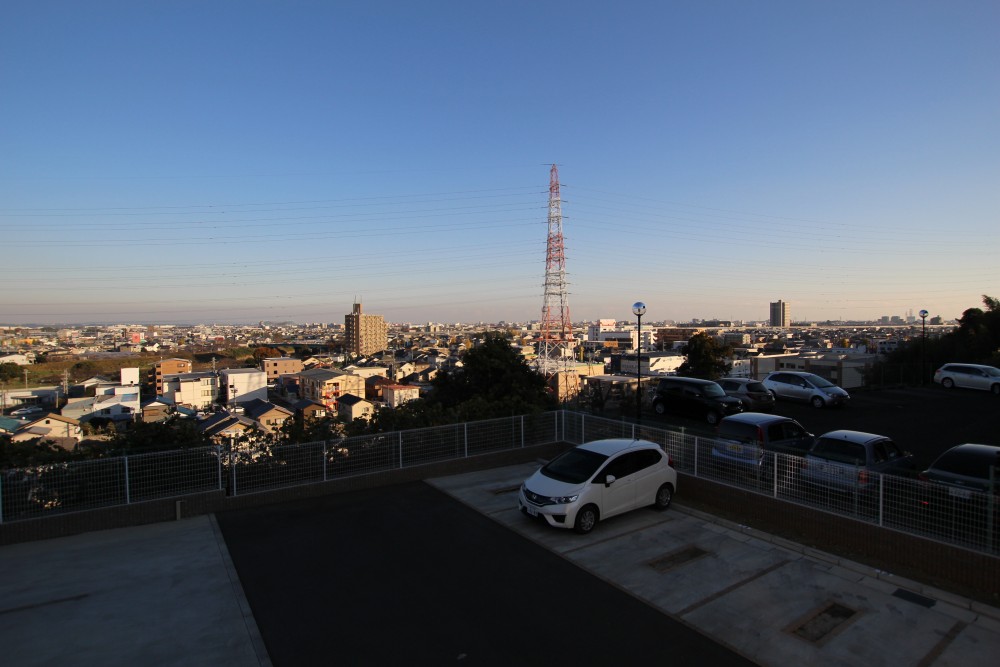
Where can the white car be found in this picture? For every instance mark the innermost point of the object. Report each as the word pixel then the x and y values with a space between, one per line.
pixel 969 376
pixel 28 411
pixel 597 480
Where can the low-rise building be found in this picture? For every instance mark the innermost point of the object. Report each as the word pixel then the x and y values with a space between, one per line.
pixel 196 390
pixel 275 367
pixel 397 394
pixel 351 407
pixel 326 386
pixel 168 367
pixel 243 385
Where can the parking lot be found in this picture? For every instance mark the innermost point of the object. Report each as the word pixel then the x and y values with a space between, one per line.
pixel 923 420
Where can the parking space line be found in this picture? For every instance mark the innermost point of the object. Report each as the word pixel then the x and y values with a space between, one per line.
pixel 939 648
pixel 728 589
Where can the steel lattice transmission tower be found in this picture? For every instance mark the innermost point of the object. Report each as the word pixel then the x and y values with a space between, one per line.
pixel 556 344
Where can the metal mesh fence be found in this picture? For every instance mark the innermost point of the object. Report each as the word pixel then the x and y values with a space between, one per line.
pixel 956 516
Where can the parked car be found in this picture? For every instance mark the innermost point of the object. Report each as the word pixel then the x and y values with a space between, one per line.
pixel 956 498
pixel 752 393
pixel 851 461
pixel 805 387
pixel 702 399
pixel 969 376
pixel 598 480
pixel 966 468
pixel 28 411
pixel 744 438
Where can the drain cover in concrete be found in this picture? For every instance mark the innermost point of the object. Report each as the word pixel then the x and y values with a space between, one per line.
pixel 822 624
pixel 677 558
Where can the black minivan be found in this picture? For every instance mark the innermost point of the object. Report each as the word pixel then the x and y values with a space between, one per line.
pixel 702 399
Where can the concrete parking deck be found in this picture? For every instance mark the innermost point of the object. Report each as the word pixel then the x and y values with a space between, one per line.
pixel 168 594
pixel 771 600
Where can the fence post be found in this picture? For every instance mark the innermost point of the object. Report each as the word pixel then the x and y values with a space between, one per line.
pixel 779 459
pixel 127 499
pixel 881 498
pixel 522 431
pixel 695 451
pixel 232 466
pixel 324 460
pixel 465 437
pixel 218 464
pixel 400 441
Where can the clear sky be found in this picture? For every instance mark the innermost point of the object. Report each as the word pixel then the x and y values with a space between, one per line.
pixel 234 161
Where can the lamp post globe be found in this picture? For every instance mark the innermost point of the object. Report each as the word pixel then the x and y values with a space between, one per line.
pixel 638 309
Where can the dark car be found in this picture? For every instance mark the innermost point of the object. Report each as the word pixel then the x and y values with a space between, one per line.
pixel 956 497
pixel 752 393
pixel 965 469
pixel 692 397
pixel 743 438
pixel 751 442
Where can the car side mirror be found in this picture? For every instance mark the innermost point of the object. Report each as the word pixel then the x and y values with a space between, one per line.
pixel 609 480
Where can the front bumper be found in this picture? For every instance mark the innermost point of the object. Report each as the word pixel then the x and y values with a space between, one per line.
pixel 558 516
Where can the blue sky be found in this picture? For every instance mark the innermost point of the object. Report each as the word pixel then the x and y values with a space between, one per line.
pixel 242 161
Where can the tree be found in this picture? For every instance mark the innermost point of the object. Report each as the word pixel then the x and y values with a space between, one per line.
pixel 175 433
pixel 9 371
pixel 494 381
pixel 705 358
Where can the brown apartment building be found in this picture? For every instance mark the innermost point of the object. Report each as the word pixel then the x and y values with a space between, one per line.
pixel 168 367
pixel 365 334
pixel 275 367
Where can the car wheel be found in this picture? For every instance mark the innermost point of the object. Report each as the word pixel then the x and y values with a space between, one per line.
pixel 664 495
pixel 712 417
pixel 817 402
pixel 586 519
pixel 947 383
pixel 659 408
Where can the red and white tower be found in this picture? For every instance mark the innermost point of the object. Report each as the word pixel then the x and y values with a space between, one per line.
pixel 555 348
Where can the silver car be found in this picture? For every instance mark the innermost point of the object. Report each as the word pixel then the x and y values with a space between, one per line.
pixel 969 376
pixel 806 388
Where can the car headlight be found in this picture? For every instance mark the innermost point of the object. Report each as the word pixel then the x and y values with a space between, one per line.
pixel 565 500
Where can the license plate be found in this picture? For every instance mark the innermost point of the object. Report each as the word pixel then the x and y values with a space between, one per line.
pixel 531 510
pixel 960 493
pixel 735 449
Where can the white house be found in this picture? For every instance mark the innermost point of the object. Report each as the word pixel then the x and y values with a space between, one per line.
pixel 197 390
pixel 397 394
pixel 242 385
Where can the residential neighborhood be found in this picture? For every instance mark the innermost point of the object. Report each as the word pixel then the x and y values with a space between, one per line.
pixel 348 372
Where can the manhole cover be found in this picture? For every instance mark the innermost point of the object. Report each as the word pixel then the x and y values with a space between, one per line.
pixel 827 620
pixel 675 558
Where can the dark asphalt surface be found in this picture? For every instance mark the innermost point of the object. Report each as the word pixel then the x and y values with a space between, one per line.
pixel 923 420
pixel 407 575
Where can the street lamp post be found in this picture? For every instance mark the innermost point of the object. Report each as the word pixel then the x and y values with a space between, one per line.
pixel 639 309
pixel 923 342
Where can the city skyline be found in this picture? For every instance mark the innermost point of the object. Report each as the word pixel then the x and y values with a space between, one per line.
pixel 230 163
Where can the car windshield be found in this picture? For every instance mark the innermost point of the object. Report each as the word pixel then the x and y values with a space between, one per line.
pixel 713 389
pixel 822 383
pixel 992 372
pixel 574 466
